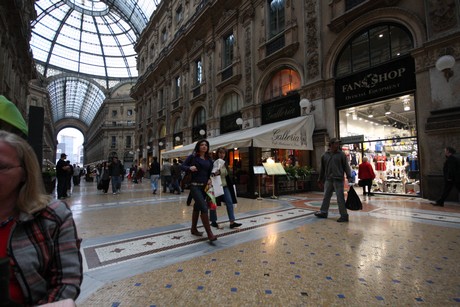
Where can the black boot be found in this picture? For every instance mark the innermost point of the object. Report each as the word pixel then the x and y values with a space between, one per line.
pixel 205 221
pixel 194 230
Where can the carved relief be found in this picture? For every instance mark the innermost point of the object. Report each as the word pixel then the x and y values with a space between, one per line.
pixel 442 14
pixel 311 40
pixel 247 66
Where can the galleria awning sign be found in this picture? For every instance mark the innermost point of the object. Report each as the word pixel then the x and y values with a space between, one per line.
pixel 296 133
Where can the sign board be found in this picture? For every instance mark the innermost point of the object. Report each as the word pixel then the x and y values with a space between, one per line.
pixel 352 139
pixel 259 170
pixel 386 80
pixel 274 169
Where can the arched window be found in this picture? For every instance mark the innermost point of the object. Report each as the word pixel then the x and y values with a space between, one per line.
pixel 372 47
pixel 162 131
pixel 275 17
pixel 199 118
pixel 282 83
pixel 199 124
pixel 229 112
pixel 231 104
pixel 177 125
pixel 178 136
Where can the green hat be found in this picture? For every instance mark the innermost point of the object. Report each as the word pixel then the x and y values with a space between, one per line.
pixel 9 113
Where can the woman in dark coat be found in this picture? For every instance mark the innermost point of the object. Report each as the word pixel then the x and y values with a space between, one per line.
pixel 200 164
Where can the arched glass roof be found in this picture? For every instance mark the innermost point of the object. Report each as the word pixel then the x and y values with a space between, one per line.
pixel 73 97
pixel 89 38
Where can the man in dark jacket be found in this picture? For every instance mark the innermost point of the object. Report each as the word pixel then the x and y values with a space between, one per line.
pixel 116 172
pixel 62 170
pixel 334 166
pixel 451 171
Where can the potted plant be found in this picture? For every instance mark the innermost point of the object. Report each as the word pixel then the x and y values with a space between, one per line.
pixel 49 177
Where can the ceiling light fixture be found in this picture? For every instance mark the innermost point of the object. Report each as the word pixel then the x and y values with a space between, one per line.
pixel 406 104
pixel 370 112
pixel 387 108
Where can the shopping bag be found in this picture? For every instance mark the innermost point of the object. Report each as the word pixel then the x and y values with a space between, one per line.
pixel 99 185
pixel 353 202
pixel 210 197
pixel 217 185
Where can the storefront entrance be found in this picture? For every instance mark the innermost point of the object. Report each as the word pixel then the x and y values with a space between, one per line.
pixel 383 130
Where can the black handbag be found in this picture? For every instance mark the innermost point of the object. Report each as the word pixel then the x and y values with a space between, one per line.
pixel 361 183
pixel 187 180
pixel 353 202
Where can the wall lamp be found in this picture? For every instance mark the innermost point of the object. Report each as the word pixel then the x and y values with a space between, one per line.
pixel 445 64
pixel 306 106
pixel 202 132
pixel 177 138
pixel 239 122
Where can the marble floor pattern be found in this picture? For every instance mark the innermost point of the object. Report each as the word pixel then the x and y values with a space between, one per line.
pixel 138 251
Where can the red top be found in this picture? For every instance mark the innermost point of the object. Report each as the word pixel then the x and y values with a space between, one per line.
pixel 365 171
pixel 15 290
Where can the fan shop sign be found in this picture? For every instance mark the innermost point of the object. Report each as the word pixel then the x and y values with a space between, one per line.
pixel 381 81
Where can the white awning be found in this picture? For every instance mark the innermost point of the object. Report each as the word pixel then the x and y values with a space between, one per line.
pixel 295 133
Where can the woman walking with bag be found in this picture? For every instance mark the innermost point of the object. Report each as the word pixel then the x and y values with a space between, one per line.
pixel 229 197
pixel 200 164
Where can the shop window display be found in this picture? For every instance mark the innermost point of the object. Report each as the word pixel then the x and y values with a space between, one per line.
pixel 385 133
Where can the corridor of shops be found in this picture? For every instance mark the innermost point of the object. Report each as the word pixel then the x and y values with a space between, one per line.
pixel 138 251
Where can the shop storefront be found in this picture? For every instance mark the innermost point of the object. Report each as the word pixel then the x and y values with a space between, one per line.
pixel 288 142
pixel 377 120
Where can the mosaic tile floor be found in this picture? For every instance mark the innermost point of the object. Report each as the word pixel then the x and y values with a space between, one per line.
pixel 138 252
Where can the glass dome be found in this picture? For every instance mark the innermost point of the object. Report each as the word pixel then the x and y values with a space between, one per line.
pixel 89 38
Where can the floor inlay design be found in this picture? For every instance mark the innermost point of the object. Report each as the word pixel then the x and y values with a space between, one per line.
pixel 119 251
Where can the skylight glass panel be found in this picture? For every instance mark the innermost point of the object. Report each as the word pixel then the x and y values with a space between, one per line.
pixel 93 59
pixel 64 62
pixel 122 72
pixel 71 36
pixel 93 70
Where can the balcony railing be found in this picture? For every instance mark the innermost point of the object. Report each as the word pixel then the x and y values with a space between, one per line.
pixel 275 45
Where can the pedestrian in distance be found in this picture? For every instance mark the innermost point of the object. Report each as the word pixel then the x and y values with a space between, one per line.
pixel 62 170
pixel 366 175
pixel 116 172
pixel 154 172
pixel 334 166
pixel 451 173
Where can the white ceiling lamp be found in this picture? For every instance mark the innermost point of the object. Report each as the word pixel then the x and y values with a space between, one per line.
pixel 406 104
pixel 445 64
pixel 387 108
pixel 370 112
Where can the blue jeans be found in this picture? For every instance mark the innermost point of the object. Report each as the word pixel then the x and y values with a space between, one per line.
pixel 154 182
pixel 331 185
pixel 116 183
pixel 229 204
pixel 199 196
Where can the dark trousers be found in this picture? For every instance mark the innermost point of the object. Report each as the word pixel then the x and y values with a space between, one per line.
pixel 448 185
pixel 61 186
pixel 366 183
pixel 166 182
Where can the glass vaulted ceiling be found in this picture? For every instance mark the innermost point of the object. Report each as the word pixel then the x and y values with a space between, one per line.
pixel 89 38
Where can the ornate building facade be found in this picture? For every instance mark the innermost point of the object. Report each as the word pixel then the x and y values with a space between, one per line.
pixel 112 130
pixel 367 68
